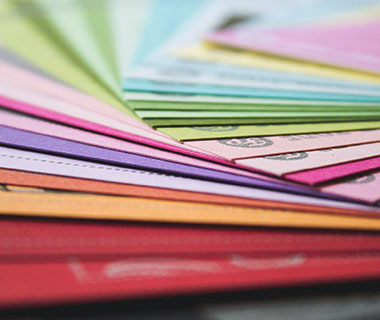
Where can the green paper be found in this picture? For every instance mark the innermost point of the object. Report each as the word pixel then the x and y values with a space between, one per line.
pixel 24 30
pixel 99 22
pixel 74 27
pixel 165 118
pixel 258 114
pixel 231 131
pixel 158 123
pixel 207 106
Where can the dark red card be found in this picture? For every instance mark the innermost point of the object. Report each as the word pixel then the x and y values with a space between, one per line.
pixel 38 237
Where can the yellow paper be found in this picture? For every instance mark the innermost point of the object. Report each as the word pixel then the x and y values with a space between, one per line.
pixel 220 54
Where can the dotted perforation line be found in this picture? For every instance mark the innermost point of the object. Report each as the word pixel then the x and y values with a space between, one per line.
pixel 89 166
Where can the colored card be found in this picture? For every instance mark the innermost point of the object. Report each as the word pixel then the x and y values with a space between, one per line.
pixel 76 27
pixel 232 78
pixel 231 131
pixel 152 98
pixel 142 85
pixel 141 102
pixel 169 123
pixel 29 240
pixel 77 281
pixel 330 173
pixel 190 118
pixel 52 165
pixel 332 45
pixel 82 206
pixel 283 164
pixel 259 114
pixel 239 148
pixel 365 187
pixel 121 26
pixel 223 54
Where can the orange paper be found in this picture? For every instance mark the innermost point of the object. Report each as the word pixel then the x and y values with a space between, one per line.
pixel 136 209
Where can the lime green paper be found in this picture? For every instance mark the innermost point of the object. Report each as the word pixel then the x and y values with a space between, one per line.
pixel 172 118
pixel 158 123
pixel 261 114
pixel 216 132
pixel 99 21
pixel 81 25
pixel 25 31
pixel 207 106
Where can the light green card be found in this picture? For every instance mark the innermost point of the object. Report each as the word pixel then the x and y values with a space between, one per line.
pixel 99 20
pixel 104 34
pixel 158 123
pixel 207 106
pixel 258 114
pixel 171 118
pixel 230 131
pixel 26 32
pixel 81 24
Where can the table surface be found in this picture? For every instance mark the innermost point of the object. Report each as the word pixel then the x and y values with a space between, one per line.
pixel 354 301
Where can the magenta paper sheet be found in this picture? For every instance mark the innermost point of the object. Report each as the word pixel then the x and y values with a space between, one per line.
pixel 321 175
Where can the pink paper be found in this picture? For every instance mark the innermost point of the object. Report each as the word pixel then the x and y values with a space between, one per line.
pixel 51 129
pixel 321 175
pixel 355 46
pixel 366 188
pixel 240 148
pixel 283 164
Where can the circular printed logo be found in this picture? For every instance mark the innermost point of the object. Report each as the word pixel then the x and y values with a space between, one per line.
pixel 216 128
pixel 366 179
pixel 247 142
pixel 288 156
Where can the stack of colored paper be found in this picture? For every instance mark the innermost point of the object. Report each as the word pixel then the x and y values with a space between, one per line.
pixel 152 148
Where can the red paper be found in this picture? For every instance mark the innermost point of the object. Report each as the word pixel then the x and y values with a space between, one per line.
pixel 75 281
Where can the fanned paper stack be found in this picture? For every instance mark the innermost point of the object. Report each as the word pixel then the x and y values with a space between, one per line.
pixel 164 147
